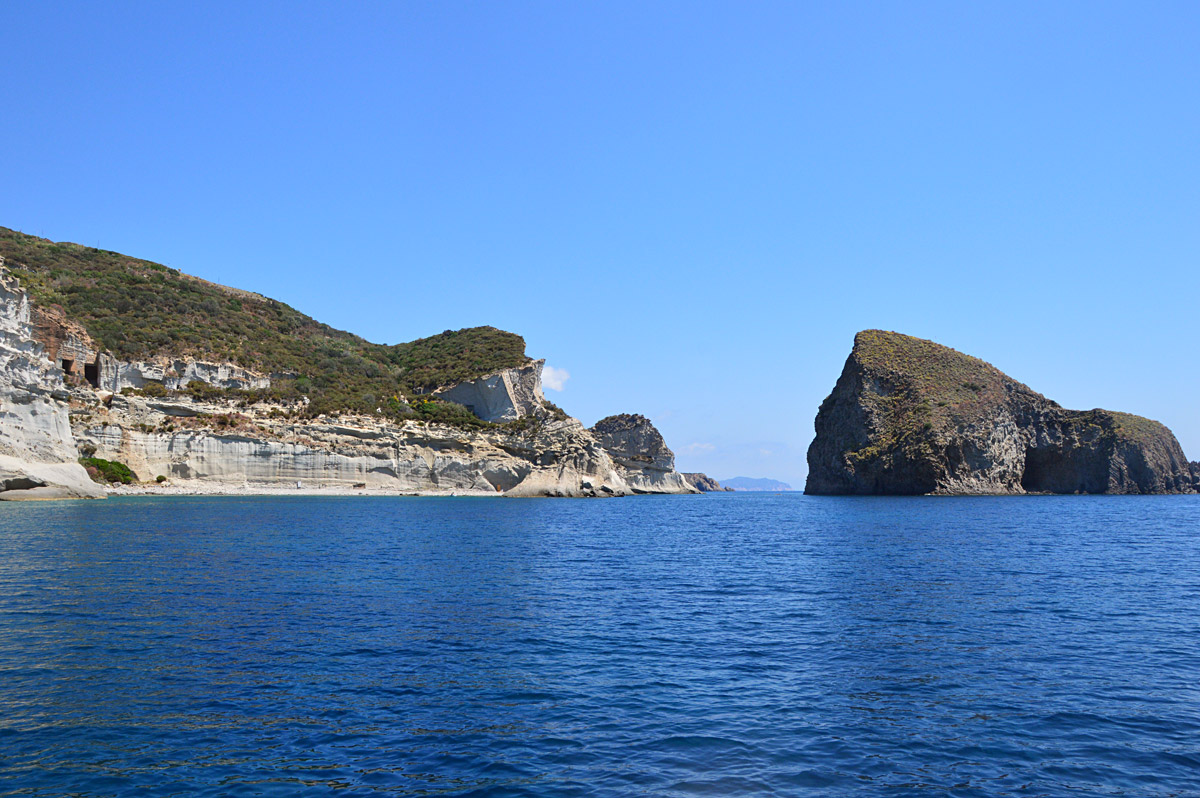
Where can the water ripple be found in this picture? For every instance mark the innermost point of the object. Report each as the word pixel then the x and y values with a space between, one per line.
pixel 729 645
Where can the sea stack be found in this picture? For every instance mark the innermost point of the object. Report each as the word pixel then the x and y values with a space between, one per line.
pixel 910 416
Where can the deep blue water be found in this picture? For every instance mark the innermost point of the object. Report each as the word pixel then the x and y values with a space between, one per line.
pixel 710 645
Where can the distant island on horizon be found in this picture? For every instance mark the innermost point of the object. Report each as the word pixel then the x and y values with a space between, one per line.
pixel 755 484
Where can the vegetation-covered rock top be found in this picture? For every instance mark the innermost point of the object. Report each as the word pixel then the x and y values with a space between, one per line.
pixel 141 310
pixel 913 416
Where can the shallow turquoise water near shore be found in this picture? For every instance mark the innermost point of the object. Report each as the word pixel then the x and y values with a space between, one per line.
pixel 711 645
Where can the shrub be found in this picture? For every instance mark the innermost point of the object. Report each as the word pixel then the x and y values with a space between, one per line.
pixel 160 479
pixel 107 470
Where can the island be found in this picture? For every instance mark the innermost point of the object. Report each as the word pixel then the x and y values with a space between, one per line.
pixel 757 484
pixel 909 416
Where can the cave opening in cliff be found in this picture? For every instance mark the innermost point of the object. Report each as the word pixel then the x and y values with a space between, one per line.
pixel 1047 470
pixel 1034 475
pixel 68 366
pixel 91 373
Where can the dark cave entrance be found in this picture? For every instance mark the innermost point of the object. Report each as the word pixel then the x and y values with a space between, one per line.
pixel 91 373
pixel 1040 465
pixel 68 366
pixel 1055 469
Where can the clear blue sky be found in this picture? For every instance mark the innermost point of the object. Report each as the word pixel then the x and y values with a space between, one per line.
pixel 691 207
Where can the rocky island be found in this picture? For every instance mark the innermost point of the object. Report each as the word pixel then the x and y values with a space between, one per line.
pixel 910 416
pixel 115 369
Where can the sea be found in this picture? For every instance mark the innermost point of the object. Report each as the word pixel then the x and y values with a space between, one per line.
pixel 717 645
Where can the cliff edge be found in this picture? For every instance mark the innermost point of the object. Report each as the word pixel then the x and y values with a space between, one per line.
pixel 37 449
pixel 909 416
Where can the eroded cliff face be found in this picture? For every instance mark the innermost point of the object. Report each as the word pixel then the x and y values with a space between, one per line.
pixel 910 416
pixel 37 449
pixel 504 396
pixel 641 453
pixel 255 447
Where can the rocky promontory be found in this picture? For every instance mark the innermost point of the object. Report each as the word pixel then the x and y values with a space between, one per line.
pixel 640 454
pixel 167 382
pixel 910 416
pixel 704 483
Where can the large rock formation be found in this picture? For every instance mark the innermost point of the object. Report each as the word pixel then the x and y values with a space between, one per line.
pixel 910 416
pixel 37 451
pixel 640 452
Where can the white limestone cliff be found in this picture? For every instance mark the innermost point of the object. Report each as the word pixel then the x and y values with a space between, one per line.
pixel 641 454
pixel 559 458
pixel 503 396
pixel 38 458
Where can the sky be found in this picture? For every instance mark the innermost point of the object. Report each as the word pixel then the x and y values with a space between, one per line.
pixel 688 208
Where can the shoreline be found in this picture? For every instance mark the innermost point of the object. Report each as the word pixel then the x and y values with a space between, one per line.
pixel 270 490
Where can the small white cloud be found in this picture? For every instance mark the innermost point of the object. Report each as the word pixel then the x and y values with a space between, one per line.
pixel 554 379
pixel 693 448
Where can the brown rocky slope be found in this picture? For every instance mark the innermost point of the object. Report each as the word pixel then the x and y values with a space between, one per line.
pixel 910 416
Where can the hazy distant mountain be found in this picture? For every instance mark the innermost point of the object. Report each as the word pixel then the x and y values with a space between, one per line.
pixel 752 483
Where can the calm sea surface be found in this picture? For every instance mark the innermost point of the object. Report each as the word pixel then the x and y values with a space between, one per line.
pixel 710 645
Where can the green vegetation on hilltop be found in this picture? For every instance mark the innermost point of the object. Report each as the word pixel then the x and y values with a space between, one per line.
pixel 137 310
pixel 935 373
pixel 923 387
pixel 1137 428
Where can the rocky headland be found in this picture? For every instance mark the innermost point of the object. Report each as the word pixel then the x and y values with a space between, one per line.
pixel 909 416
pixel 640 453
pixel 705 484
pixel 168 383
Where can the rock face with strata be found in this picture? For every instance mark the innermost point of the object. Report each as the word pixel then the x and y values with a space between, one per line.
pixel 38 458
pixel 909 416
pixel 638 449
pixel 254 448
pixel 504 396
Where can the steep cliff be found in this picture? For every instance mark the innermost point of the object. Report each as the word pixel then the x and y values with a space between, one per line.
pixel 37 450
pixel 909 416
pixel 507 395
pixel 640 452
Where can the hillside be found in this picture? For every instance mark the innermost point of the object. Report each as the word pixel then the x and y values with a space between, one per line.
pixel 141 310
pixel 910 416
